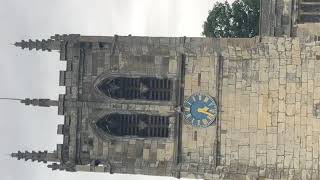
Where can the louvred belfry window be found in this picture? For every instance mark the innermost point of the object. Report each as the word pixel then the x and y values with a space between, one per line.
pixel 309 11
pixel 138 88
pixel 141 125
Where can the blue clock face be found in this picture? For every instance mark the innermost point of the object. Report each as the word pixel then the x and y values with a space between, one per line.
pixel 200 110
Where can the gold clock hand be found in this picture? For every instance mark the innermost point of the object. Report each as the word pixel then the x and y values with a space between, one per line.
pixel 201 110
pixel 205 108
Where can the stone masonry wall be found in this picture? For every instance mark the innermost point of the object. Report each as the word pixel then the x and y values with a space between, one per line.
pixel 270 102
pixel 199 144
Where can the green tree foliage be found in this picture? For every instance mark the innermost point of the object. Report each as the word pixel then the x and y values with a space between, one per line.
pixel 240 19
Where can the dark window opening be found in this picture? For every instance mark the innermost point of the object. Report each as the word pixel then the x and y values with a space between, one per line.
pixel 97 162
pixel 140 125
pixel 137 88
pixel 101 45
pixel 309 11
pixel 309 18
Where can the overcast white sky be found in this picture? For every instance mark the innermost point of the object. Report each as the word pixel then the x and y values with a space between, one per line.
pixel 33 74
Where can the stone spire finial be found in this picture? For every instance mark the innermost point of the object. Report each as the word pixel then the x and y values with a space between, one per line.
pixel 54 43
pixel 11 99
pixel 44 45
pixel 40 102
pixel 40 156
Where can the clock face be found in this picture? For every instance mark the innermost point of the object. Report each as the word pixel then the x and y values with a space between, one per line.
pixel 200 110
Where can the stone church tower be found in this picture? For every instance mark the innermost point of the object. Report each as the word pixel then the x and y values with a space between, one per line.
pixel 192 107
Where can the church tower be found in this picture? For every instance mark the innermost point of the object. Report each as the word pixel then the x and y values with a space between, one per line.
pixel 191 107
pixel 122 105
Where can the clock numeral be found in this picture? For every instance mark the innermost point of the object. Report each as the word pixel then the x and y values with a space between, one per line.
pixel 201 123
pixel 187 109
pixel 189 118
pixel 204 121
pixel 206 99
pixel 211 117
pixel 194 99
pixel 200 97
pixel 195 122
pixel 186 104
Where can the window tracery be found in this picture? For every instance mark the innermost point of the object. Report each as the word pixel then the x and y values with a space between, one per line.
pixel 141 125
pixel 143 88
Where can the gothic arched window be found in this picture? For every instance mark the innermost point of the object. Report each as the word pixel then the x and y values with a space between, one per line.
pixel 144 88
pixel 141 125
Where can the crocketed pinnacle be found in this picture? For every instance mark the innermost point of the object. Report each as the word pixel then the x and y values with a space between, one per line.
pixel 44 45
pixel 39 102
pixel 40 156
